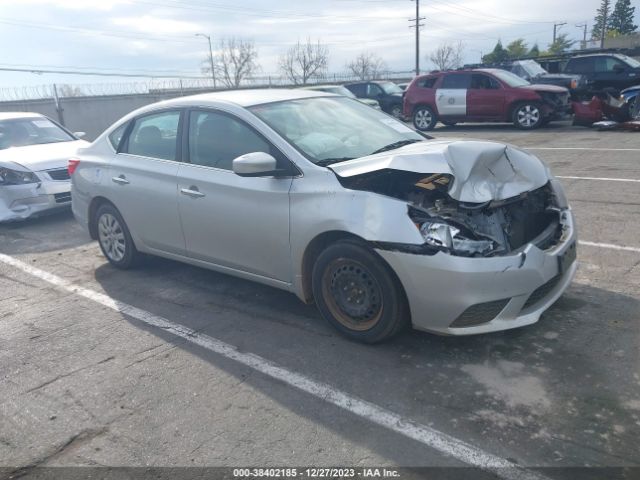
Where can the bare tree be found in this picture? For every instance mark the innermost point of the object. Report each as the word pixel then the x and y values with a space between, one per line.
pixel 66 90
pixel 447 56
pixel 235 60
pixel 304 61
pixel 367 66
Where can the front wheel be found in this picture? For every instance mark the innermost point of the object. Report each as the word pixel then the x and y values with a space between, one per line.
pixel 527 116
pixel 358 294
pixel 114 238
pixel 424 118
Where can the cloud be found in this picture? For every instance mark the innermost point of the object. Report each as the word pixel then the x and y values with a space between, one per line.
pixel 157 25
pixel 105 5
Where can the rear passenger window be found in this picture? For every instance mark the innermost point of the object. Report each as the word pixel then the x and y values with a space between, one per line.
pixel 427 82
pixel 155 136
pixel 215 140
pixel 358 90
pixel 116 135
pixel 456 80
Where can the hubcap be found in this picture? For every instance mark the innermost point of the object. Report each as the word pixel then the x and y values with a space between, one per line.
pixel 352 294
pixel 528 115
pixel 423 119
pixel 396 112
pixel 111 237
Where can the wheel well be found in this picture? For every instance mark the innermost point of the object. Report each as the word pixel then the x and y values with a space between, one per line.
pixel 95 204
pixel 416 107
pixel 315 247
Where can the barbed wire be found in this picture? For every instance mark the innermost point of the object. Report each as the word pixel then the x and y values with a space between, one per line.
pixel 177 86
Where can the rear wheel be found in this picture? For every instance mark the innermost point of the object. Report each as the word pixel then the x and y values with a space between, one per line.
pixel 114 238
pixel 358 294
pixel 396 111
pixel 527 116
pixel 424 118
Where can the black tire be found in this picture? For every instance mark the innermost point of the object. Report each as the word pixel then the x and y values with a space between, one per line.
pixel 114 238
pixel 358 294
pixel 527 115
pixel 396 111
pixel 447 123
pixel 424 118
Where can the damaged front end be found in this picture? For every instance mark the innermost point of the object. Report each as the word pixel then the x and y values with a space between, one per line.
pixel 516 201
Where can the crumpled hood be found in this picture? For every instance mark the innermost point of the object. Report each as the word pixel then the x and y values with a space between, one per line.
pixel 482 170
pixel 43 157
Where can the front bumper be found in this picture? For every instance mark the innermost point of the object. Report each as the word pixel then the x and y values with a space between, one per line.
pixel 19 202
pixel 443 288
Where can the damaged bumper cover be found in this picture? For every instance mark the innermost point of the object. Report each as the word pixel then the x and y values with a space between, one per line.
pixel 461 296
pixel 19 202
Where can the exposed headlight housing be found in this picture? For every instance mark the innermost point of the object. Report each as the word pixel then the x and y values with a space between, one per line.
pixel 447 238
pixel 9 176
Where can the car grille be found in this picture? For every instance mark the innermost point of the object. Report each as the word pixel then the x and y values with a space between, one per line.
pixel 480 313
pixel 59 174
pixel 541 292
pixel 62 197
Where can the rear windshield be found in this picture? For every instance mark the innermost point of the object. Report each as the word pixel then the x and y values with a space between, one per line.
pixel 21 132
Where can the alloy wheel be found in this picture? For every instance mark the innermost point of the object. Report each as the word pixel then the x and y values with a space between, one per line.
pixel 423 119
pixel 528 116
pixel 111 237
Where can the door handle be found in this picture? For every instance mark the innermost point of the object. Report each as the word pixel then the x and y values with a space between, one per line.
pixel 192 191
pixel 120 180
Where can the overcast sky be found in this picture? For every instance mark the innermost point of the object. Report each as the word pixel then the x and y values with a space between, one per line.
pixel 159 35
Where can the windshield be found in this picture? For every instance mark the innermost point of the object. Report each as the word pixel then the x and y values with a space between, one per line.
pixel 22 132
pixel 510 79
pixel 632 62
pixel 341 91
pixel 531 67
pixel 390 87
pixel 330 129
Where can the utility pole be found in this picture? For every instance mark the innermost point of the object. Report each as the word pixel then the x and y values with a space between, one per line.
pixel 555 29
pixel 213 67
pixel 604 23
pixel 417 26
pixel 584 36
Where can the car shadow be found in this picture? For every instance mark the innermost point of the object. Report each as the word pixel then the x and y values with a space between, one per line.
pixel 566 387
pixel 54 231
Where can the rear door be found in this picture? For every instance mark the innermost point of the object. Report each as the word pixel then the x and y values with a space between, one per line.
pixel 236 222
pixel 451 97
pixel 143 180
pixel 485 97
pixel 612 72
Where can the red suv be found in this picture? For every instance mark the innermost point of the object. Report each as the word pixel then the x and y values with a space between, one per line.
pixel 482 95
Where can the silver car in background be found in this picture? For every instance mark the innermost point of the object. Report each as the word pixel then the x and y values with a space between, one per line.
pixel 345 92
pixel 34 153
pixel 338 203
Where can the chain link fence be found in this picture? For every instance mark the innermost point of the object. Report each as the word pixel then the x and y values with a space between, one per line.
pixel 175 86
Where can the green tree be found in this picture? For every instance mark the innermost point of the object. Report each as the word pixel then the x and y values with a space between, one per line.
pixel 534 52
pixel 498 55
pixel 561 45
pixel 598 21
pixel 517 49
pixel 622 18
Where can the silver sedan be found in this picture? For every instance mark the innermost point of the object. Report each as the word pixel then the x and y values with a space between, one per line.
pixel 336 202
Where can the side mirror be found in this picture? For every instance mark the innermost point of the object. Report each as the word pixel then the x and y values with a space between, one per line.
pixel 80 134
pixel 255 164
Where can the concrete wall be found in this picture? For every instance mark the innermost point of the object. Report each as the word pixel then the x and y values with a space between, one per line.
pixel 86 114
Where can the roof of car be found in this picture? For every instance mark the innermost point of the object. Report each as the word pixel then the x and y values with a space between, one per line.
pixel 597 55
pixel 13 115
pixel 250 97
pixel 319 87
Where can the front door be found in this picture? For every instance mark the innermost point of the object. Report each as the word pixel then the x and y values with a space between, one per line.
pixel 143 179
pixel 485 97
pixel 236 222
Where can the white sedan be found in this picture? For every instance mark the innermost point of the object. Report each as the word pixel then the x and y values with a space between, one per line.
pixel 34 153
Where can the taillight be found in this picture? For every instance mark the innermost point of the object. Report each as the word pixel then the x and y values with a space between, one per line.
pixel 73 164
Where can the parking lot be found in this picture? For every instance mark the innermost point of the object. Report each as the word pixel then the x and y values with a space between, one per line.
pixel 172 365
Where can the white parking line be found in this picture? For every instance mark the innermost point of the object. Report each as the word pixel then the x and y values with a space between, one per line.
pixel 585 148
pixel 605 179
pixel 428 436
pixel 609 245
